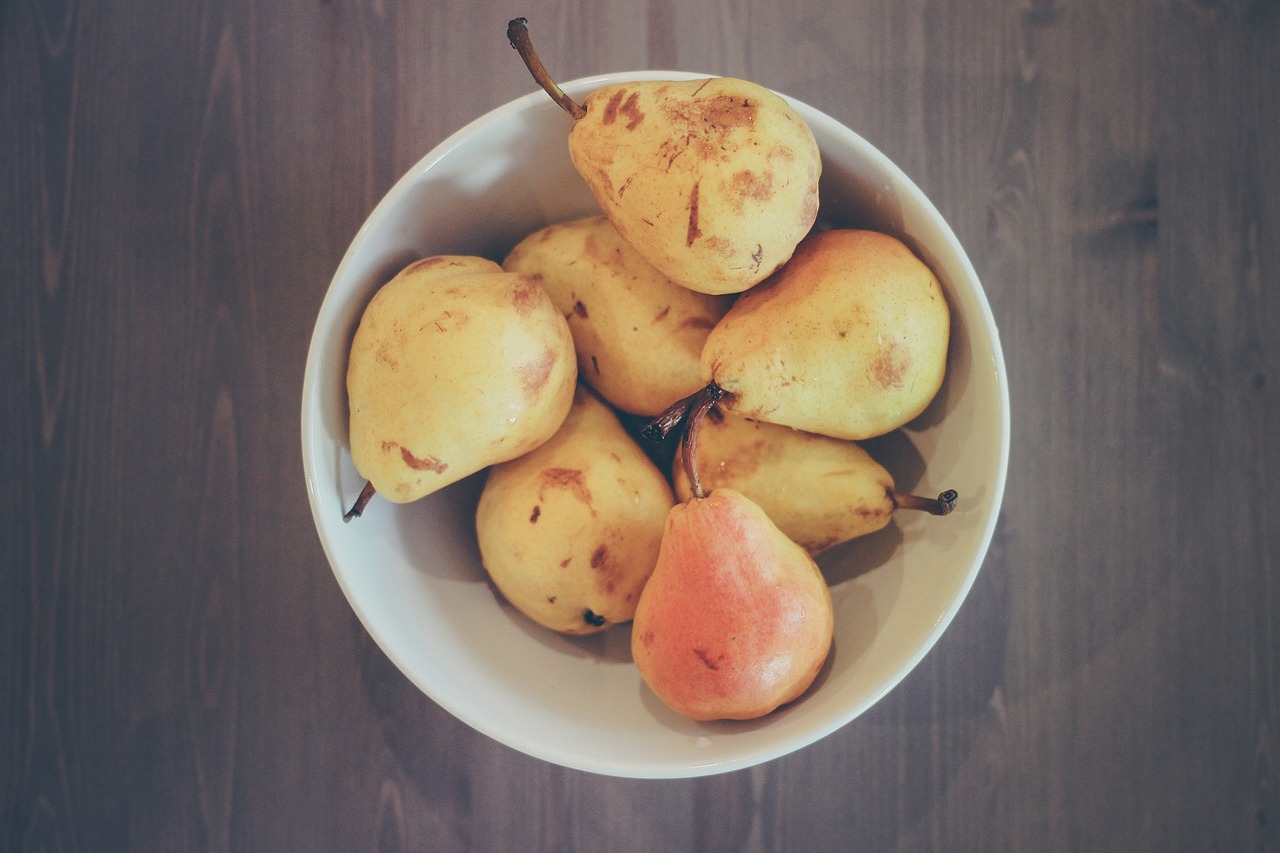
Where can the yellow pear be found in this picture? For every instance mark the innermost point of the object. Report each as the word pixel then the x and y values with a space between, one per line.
pixel 848 340
pixel 638 335
pixel 570 532
pixel 819 491
pixel 713 181
pixel 456 365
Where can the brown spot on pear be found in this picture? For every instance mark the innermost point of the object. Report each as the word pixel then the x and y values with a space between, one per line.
pixel 599 556
pixel 425 463
pixel 891 365
pixel 749 185
pixel 693 232
pixel 535 374
pixel 570 480
pixel 623 103
pixel 527 297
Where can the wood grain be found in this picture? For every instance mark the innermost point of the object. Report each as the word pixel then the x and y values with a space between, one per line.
pixel 178 182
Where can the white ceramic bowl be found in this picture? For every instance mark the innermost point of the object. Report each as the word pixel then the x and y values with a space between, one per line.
pixel 413 574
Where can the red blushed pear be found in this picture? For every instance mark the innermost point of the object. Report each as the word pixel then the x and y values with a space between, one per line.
pixel 736 619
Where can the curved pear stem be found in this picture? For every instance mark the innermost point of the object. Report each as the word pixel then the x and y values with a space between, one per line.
pixel 661 426
pixel 357 509
pixel 518 35
pixel 943 504
pixel 701 403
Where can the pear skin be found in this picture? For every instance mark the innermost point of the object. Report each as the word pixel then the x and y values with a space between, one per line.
pixel 570 532
pixel 713 181
pixel 456 365
pixel 820 491
pixel 736 619
pixel 848 340
pixel 638 335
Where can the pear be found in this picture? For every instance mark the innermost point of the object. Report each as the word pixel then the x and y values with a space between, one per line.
pixel 848 340
pixel 819 491
pixel 713 181
pixel 638 335
pixel 456 365
pixel 736 619
pixel 570 532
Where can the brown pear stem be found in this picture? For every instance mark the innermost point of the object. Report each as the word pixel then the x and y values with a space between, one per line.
pixel 941 505
pixel 673 416
pixel 698 408
pixel 357 509
pixel 518 35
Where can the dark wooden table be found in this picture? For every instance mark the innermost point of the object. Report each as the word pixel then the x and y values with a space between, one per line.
pixel 178 667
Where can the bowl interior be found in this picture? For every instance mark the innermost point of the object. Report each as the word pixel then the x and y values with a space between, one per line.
pixel 413 574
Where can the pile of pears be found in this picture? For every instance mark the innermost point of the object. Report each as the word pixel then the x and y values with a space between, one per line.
pixel 703 302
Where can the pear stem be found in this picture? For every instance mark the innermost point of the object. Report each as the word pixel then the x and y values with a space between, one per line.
pixel 518 35
pixel 357 509
pixel 943 504
pixel 661 426
pixel 702 403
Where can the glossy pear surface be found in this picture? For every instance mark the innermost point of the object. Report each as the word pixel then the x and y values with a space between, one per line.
pixel 456 365
pixel 638 334
pixel 570 532
pixel 736 619
pixel 713 181
pixel 820 491
pixel 848 340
